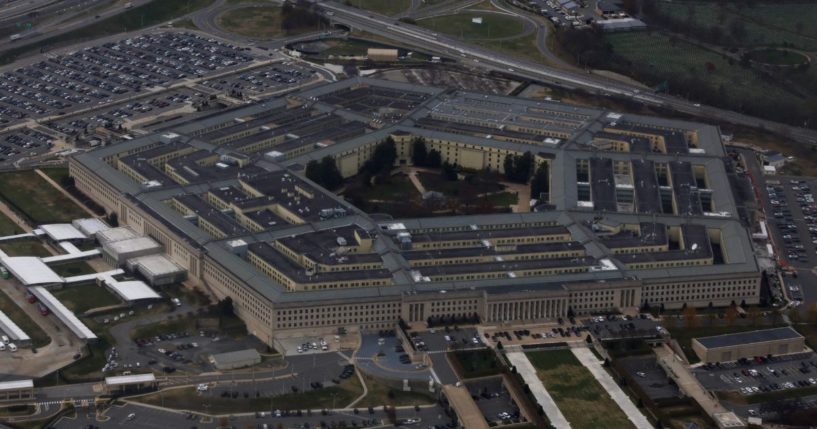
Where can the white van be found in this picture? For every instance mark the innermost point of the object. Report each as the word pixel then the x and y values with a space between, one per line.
pixel 2 347
pixel 5 339
pixel 12 347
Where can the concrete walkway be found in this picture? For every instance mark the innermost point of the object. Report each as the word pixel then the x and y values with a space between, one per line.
pixel 586 357
pixel 528 373
pixel 686 381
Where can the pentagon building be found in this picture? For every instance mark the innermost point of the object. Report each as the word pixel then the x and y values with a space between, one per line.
pixel 638 209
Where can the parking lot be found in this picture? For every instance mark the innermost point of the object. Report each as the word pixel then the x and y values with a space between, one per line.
pixel 761 374
pixel 323 371
pixel 492 399
pixel 651 377
pixel 262 80
pixel 567 16
pixel 187 351
pixel 21 143
pixel 101 74
pixel 442 339
pixel 308 344
pixel 792 220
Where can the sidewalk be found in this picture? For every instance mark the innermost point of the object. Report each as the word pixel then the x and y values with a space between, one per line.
pixel 528 373
pixel 586 357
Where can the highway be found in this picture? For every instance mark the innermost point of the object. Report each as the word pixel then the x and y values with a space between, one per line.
pixel 62 18
pixel 480 57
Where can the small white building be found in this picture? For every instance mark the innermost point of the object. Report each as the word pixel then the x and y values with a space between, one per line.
pixel 118 252
pixel 157 269
pixel 16 390
pixel 130 383
pixel 236 359
pixel 62 232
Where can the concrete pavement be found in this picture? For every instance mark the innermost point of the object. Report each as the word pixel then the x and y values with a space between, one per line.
pixel 686 381
pixel 528 373
pixel 586 357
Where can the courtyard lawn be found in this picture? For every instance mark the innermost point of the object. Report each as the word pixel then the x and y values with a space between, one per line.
pixel 24 247
pixel 82 298
pixel 582 400
pixel 36 199
pixel 73 268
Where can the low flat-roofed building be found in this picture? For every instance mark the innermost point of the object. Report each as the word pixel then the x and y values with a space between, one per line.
pixel 236 359
pixel 115 234
pixel 130 383
pixel 62 232
pixel 670 235
pixel 30 271
pixel 133 290
pixel 15 334
pixel 16 390
pixel 377 54
pixel 157 269
pixel 731 347
pixel 118 252
pixel 90 226
pixel 65 315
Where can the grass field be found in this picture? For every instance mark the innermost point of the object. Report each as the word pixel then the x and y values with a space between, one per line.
pixel 82 298
pixel 73 268
pixel 474 363
pixel 478 185
pixel 380 394
pixel 397 188
pixel 779 57
pixel 25 247
pixel 260 22
pixel 147 15
pixel 384 7
pixel 16 410
pixel 188 399
pixel 521 47
pixel 494 25
pixel 57 174
pixel 36 199
pixel 16 314
pixel 7 226
pixel 766 23
pixel 655 57
pixel 582 400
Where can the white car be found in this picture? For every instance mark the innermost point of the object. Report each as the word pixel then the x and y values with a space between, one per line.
pixel 5 339
pixel 12 347
pixel 2 347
